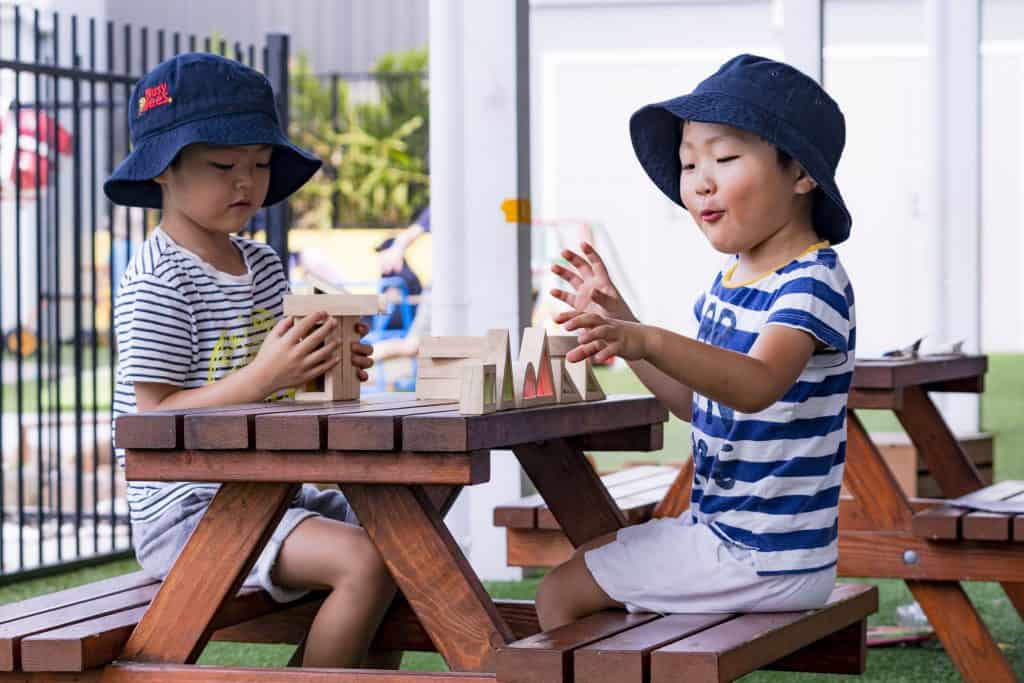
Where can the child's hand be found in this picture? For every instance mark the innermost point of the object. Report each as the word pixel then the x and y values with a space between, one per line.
pixel 361 353
pixel 294 353
pixel 593 288
pixel 602 338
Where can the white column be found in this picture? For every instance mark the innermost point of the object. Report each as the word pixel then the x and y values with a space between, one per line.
pixel 801 23
pixel 479 142
pixel 954 32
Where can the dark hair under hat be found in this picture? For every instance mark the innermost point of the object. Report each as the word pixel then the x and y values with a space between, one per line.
pixel 201 97
pixel 770 99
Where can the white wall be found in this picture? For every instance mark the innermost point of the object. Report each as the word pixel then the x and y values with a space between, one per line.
pixel 589 75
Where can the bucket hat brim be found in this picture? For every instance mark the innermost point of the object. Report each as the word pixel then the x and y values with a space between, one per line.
pixel 132 184
pixel 656 134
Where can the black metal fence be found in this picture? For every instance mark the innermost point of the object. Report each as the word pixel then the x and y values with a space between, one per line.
pixel 64 89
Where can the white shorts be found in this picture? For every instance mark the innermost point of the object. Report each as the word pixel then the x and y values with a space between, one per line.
pixel 678 566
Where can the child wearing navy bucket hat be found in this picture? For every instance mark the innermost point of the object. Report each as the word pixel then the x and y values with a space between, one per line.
pixel 199 323
pixel 751 154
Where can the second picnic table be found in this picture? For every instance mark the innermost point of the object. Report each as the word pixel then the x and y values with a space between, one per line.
pixel 401 463
pixel 926 542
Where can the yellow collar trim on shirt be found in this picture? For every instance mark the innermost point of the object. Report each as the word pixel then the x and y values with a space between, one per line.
pixel 727 278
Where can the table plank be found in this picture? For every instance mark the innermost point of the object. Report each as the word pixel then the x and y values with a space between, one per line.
pixel 306 429
pixel 892 374
pixel 221 551
pixel 450 431
pixel 377 467
pixel 432 573
pixel 376 431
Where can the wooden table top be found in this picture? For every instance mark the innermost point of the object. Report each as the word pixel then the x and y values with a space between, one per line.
pixel 896 374
pixel 377 422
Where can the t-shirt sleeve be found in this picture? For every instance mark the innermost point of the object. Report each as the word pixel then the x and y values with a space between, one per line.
pixel 817 302
pixel 154 332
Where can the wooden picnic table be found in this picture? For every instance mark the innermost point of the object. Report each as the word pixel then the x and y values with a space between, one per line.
pixel 885 534
pixel 401 463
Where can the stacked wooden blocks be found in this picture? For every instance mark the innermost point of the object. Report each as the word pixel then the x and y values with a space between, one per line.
pixel 480 374
pixel 341 383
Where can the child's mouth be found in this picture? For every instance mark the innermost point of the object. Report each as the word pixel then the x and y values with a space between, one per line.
pixel 239 205
pixel 711 216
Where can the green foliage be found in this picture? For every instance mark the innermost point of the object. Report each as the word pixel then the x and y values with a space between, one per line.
pixel 374 152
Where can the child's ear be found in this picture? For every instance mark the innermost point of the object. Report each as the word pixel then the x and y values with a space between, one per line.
pixel 163 178
pixel 805 184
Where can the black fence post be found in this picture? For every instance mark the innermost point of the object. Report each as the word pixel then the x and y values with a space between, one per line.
pixel 277 72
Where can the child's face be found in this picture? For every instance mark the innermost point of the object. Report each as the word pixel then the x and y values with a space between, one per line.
pixel 734 186
pixel 217 188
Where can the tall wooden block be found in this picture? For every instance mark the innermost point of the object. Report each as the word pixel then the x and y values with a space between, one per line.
pixel 565 387
pixel 525 383
pixel 340 383
pixel 499 354
pixel 582 374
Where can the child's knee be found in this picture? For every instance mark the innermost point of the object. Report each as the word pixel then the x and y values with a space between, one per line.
pixel 366 566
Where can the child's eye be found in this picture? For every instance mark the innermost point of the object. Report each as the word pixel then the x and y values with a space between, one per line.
pixel 687 167
pixel 723 160
pixel 222 167
pixel 266 165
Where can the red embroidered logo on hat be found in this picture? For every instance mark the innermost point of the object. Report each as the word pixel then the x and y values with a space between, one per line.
pixel 156 96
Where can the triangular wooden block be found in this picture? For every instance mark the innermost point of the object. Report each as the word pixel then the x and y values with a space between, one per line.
pixel 534 350
pixel 477 388
pixel 565 387
pixel 525 381
pixel 499 354
pixel 583 375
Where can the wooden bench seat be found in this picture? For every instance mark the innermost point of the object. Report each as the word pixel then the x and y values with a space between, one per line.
pixel 958 523
pixel 86 627
pixel 533 536
pixel 619 647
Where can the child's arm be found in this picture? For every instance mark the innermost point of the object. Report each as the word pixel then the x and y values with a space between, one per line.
pixel 748 382
pixel 291 355
pixel 593 290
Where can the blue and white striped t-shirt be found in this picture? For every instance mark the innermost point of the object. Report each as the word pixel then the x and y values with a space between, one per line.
pixel 180 321
pixel 770 480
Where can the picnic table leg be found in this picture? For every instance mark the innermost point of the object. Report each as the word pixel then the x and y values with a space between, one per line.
pixel 571 489
pixel 936 444
pixel 964 635
pixel 432 572
pixel 222 550
pixel 875 490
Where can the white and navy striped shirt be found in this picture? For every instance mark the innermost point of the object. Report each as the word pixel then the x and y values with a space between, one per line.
pixel 179 321
pixel 770 480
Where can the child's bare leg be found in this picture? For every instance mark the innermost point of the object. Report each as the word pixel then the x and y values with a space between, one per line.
pixel 569 592
pixel 327 554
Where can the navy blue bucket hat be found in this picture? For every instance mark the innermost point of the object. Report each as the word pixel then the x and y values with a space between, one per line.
pixel 772 100
pixel 200 97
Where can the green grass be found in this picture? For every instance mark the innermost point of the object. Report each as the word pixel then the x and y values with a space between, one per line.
pixel 1002 414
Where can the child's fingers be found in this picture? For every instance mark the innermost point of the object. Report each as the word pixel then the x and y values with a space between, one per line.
pixel 600 298
pixel 565 296
pixel 305 326
pixel 319 355
pixel 584 320
pixel 362 375
pixel 569 276
pixel 282 326
pixel 609 351
pixel 362 329
pixel 320 369
pixel 565 316
pixel 581 264
pixel 362 349
pixel 362 361
pixel 595 259
pixel 582 351
pixel 316 338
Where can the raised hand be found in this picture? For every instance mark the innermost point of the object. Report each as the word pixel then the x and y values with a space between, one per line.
pixel 592 287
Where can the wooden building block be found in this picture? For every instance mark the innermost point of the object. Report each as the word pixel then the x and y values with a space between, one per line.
pixel 499 354
pixel 477 397
pixel 452 347
pixel 534 350
pixel 340 383
pixel 565 387
pixel 583 375
pixel 301 305
pixel 561 344
pixel 525 384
